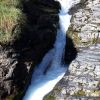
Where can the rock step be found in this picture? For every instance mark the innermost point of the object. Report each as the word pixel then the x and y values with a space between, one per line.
pixel 90 77
pixel 90 50
pixel 82 98
pixel 84 61
pixel 89 54
pixel 84 73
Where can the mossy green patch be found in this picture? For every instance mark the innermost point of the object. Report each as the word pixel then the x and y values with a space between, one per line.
pixel 80 93
pixel 49 97
pixel 17 96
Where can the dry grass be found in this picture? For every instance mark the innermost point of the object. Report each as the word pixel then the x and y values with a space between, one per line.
pixel 10 2
pixel 9 16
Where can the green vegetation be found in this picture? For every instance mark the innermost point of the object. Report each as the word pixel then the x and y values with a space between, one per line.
pixel 9 16
pixel 80 93
pixel 14 97
pixel 49 97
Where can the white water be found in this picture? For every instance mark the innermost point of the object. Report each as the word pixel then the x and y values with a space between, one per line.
pixel 41 83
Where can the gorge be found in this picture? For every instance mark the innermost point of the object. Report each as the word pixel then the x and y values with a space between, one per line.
pixel 42 83
pixel 49 49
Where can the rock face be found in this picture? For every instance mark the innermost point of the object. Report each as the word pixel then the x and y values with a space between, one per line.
pixel 7 65
pixel 84 73
pixel 82 80
pixel 37 36
pixel 85 22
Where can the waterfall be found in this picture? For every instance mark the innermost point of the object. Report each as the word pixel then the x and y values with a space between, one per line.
pixel 42 84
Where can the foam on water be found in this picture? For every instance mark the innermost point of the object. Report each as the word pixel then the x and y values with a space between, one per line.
pixel 42 84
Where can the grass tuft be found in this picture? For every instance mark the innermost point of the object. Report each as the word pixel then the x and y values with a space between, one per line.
pixel 9 16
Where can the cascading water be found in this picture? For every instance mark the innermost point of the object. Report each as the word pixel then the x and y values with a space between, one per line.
pixel 41 83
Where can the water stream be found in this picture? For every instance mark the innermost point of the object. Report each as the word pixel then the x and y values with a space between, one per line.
pixel 42 84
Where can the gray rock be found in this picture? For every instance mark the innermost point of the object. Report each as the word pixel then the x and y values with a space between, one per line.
pixel 85 28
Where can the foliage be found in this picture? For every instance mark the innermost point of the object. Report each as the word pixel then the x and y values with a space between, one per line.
pixel 49 97
pixel 9 16
pixel 80 93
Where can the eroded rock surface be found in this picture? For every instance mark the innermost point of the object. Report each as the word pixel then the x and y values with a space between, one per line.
pixel 85 22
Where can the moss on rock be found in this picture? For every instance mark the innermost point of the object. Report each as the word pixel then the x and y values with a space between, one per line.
pixel 80 93
pixel 50 97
